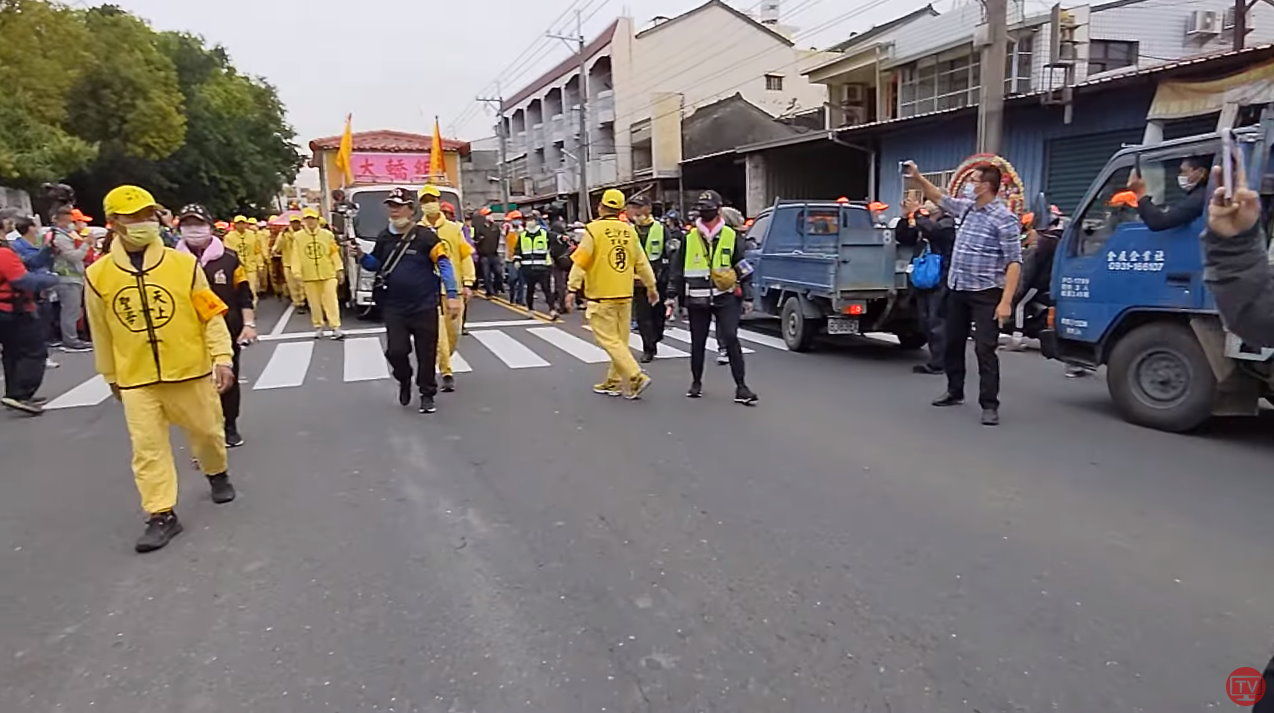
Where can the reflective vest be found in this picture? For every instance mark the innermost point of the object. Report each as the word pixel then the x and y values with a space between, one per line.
pixel 610 269
pixel 655 242
pixel 535 249
pixel 155 315
pixel 315 255
pixel 699 270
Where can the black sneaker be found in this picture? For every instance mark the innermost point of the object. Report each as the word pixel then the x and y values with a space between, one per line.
pixel 222 490
pixel 161 528
pixel 448 383
pixel 695 391
pixel 233 439
pixel 427 404
pixel 303 310
pixel 743 395
pixel 925 369
pixel 76 347
pixel 990 417
pixel 26 406
pixel 647 357
pixel 948 400
pixel 404 393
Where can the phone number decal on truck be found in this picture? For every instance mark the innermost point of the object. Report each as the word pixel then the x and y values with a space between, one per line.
pixel 1124 260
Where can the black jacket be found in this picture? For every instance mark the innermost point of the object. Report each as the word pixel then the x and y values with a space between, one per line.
pixel 228 281
pixel 488 240
pixel 1185 210
pixel 414 285
pixel 560 250
pixel 1238 272
pixel 940 232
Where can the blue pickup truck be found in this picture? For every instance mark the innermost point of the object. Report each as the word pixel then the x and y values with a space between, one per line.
pixel 1134 300
pixel 824 267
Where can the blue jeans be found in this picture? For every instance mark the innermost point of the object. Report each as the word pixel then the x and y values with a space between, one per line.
pixel 491 278
pixel 517 286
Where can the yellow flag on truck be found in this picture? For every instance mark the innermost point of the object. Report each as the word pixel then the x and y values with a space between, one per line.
pixel 437 164
pixel 345 153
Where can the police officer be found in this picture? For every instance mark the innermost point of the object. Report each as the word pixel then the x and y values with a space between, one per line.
pixel 531 254
pixel 228 279
pixel 161 345
pixel 650 310
pixel 711 278
pixel 412 269
pixel 608 257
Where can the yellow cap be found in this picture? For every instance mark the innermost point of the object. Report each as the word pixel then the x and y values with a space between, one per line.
pixel 613 198
pixel 430 190
pixel 126 200
pixel 239 219
pixel 310 213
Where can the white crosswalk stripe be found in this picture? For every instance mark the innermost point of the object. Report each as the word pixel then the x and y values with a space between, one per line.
pixel 508 350
pixel 289 360
pixel 287 366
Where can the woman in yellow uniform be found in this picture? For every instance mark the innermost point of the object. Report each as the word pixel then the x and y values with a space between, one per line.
pixel 161 343
pixel 283 248
pixel 608 257
pixel 317 263
pixel 246 244
pixel 461 255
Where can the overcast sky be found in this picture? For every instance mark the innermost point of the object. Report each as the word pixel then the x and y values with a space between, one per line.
pixel 395 64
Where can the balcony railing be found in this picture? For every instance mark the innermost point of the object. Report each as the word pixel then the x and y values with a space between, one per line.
pixel 602 107
pixel 603 170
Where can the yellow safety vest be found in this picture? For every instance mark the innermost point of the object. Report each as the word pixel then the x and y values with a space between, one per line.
pixel 535 249
pixel 655 242
pixel 246 246
pixel 609 273
pixel 156 315
pixel 698 270
pixel 315 254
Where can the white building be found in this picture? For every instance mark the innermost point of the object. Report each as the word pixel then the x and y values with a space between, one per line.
pixel 641 84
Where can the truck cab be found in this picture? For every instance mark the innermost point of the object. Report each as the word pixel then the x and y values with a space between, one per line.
pixel 1133 299
pixel 824 267
pixel 367 221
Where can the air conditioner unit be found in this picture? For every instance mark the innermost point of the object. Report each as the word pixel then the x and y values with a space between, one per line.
pixel 1227 22
pixel 1203 23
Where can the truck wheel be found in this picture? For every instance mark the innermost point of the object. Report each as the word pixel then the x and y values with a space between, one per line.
pixel 911 341
pixel 1159 377
pixel 799 331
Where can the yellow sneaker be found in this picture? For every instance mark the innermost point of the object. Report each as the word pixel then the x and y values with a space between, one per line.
pixel 607 388
pixel 638 385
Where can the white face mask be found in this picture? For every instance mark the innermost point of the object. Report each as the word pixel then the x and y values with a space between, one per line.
pixel 400 224
pixel 1184 182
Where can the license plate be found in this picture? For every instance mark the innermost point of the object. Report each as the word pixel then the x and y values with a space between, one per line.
pixel 840 325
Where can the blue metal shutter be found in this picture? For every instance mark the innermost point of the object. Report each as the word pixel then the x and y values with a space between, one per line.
pixel 1074 162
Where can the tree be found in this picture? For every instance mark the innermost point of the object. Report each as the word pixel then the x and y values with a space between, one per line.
pixel 42 55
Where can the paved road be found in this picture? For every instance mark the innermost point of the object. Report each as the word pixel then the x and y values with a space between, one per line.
pixel 842 547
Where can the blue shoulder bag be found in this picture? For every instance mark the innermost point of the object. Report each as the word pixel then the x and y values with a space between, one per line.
pixel 926 269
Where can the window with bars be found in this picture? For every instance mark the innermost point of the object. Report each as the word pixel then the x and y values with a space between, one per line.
pixel 1105 55
pixel 954 79
pixel 774 82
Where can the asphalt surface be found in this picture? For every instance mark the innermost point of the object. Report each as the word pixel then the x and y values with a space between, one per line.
pixel 532 546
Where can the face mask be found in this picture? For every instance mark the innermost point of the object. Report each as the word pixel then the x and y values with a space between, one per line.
pixel 197 236
pixel 643 220
pixel 1185 183
pixel 708 214
pixel 432 209
pixel 969 191
pixel 400 224
pixel 138 235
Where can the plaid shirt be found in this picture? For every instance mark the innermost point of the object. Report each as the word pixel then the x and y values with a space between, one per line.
pixel 987 242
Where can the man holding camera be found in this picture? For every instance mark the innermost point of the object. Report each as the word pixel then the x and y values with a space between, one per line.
pixel 986 263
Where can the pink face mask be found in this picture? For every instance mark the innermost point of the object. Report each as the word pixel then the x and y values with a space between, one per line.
pixel 197 236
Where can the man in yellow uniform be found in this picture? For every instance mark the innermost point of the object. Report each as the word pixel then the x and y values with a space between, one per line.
pixel 245 243
pixel 460 252
pixel 317 263
pixel 161 343
pixel 283 248
pixel 608 257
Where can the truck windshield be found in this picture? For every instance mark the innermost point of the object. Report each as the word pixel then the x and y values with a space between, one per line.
pixel 372 216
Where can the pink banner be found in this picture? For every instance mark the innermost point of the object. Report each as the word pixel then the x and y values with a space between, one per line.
pixel 373 167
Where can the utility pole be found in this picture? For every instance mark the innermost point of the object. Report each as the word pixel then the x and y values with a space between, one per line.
pixel 578 39
pixel 1240 23
pixel 498 101
pixel 991 108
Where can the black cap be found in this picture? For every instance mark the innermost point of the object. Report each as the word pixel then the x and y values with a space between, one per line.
pixel 401 196
pixel 195 210
pixel 639 201
pixel 709 199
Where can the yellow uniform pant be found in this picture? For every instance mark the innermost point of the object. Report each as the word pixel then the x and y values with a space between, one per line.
pixel 610 320
pixel 295 289
pixel 448 336
pixel 321 294
pixel 149 411
pixel 253 282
